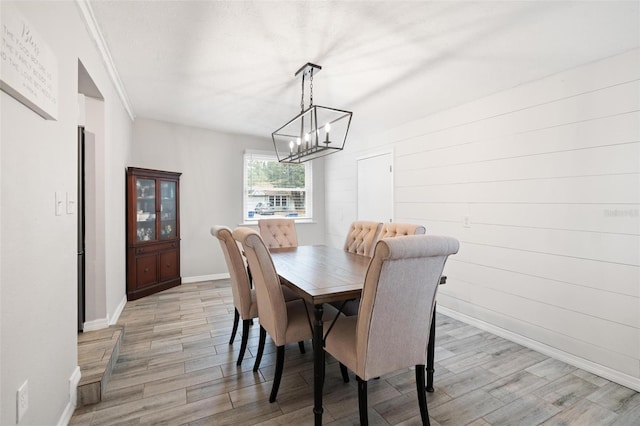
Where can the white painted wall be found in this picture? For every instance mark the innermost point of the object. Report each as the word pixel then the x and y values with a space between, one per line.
pixel 38 293
pixel 210 187
pixel 549 175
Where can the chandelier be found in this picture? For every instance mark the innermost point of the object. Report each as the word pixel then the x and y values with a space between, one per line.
pixel 315 132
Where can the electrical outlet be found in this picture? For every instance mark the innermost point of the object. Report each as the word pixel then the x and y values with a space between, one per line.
pixel 22 400
pixel 466 222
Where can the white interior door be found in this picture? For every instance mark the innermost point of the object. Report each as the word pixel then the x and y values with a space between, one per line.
pixel 375 187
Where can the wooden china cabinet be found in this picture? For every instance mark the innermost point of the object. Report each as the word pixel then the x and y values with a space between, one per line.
pixel 153 231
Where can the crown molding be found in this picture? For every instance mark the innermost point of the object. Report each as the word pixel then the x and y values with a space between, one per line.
pixel 94 31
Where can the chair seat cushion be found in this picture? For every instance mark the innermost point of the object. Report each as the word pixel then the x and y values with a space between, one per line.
pixel 341 340
pixel 298 325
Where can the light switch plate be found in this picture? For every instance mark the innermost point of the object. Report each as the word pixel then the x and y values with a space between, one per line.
pixel 59 203
pixel 71 203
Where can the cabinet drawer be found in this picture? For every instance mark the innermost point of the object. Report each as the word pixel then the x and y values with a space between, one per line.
pixel 169 265
pixel 146 270
pixel 154 248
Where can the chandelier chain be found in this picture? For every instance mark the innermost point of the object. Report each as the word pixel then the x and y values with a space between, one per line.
pixel 302 96
pixel 311 88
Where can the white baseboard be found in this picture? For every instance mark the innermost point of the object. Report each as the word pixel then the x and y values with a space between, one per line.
pixel 65 418
pixel 98 324
pixel 197 279
pixel 101 323
pixel 584 364
pixel 118 311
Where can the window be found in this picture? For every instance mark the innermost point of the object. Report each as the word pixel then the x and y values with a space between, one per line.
pixel 278 200
pixel 274 189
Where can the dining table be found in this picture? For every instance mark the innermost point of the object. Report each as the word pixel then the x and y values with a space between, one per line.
pixel 322 274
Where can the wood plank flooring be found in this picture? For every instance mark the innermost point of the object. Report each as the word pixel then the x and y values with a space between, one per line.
pixel 176 368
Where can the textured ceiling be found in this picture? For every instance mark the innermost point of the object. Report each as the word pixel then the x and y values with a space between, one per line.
pixel 229 65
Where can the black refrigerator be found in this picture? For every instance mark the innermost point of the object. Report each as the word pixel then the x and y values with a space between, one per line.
pixel 81 230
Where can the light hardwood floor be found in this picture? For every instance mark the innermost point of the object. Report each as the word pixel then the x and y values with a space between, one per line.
pixel 177 368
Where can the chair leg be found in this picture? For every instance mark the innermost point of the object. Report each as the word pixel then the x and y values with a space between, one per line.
pixel 345 373
pixel 431 349
pixel 278 376
pixel 263 337
pixel 362 401
pixel 301 346
pixel 245 338
pixel 422 394
pixel 236 319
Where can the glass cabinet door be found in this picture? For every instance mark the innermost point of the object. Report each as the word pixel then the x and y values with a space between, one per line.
pixel 146 209
pixel 167 209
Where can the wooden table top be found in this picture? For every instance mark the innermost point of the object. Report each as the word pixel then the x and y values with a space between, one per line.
pixel 321 274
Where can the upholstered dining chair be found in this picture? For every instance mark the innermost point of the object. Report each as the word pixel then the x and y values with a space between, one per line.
pixel 244 297
pixel 391 330
pixel 286 322
pixel 361 237
pixel 278 232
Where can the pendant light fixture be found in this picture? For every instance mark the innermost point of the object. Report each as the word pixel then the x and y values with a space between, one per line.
pixel 315 132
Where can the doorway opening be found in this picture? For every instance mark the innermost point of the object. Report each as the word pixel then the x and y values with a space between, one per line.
pixel 92 298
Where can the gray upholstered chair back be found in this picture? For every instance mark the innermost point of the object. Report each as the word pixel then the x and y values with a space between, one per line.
pixel 240 286
pixel 278 232
pixel 271 302
pixel 396 307
pixel 361 237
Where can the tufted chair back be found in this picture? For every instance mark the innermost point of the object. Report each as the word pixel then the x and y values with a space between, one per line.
pixel 361 237
pixel 392 230
pixel 278 232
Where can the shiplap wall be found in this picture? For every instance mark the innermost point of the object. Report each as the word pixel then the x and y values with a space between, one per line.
pixel 548 175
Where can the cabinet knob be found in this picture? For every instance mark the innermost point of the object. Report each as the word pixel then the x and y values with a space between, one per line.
pixel 146 269
pixel 168 265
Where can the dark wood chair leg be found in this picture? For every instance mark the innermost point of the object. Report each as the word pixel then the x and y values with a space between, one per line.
pixel 236 319
pixel 422 395
pixel 362 401
pixel 431 349
pixel 278 376
pixel 263 337
pixel 344 372
pixel 301 346
pixel 245 338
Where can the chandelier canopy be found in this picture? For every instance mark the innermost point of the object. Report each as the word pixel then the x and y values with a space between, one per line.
pixel 315 132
